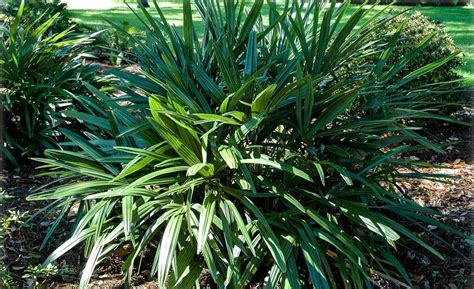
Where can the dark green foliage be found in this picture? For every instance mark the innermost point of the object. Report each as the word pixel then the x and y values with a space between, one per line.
pixel 256 160
pixel 417 27
pixel 41 71
pixel 35 9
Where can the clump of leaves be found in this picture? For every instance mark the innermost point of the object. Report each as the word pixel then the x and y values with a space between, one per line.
pixel 12 218
pixel 38 274
pixel 41 72
pixel 4 196
pixel 256 161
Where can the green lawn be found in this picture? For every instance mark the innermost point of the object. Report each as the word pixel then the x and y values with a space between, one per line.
pixel 459 22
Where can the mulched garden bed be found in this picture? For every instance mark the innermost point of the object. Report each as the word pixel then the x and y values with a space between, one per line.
pixel 454 198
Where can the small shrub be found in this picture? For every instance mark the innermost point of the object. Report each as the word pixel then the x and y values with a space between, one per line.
pixel 40 72
pixel 257 161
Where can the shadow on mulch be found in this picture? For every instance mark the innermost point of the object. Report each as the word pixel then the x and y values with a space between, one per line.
pixel 454 199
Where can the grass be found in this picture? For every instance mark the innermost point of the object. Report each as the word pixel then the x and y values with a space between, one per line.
pixel 459 22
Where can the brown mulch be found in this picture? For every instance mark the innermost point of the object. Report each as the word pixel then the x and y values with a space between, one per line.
pixel 23 239
pixel 454 198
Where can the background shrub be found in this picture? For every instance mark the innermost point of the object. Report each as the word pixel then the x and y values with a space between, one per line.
pixel 256 161
pixel 36 9
pixel 41 70
pixel 417 28
pixel 414 29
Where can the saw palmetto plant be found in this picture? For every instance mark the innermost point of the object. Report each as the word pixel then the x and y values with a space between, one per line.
pixel 243 151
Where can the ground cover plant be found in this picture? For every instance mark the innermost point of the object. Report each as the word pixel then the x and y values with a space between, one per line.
pixel 41 68
pixel 256 161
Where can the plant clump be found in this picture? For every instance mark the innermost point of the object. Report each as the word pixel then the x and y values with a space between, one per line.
pixel 241 150
pixel 41 70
